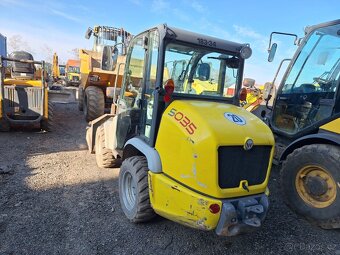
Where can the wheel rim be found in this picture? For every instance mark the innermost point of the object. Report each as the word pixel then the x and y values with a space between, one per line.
pixel 129 191
pixel 316 186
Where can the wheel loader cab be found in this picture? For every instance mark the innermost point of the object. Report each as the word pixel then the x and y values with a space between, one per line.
pixel 309 94
pixel 205 161
pixel 142 97
pixel 306 124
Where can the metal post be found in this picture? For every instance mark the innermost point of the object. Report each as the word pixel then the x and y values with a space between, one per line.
pixel 116 80
pixel 43 87
pixel 2 84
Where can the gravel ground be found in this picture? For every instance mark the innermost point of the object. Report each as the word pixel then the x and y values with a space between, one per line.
pixel 55 200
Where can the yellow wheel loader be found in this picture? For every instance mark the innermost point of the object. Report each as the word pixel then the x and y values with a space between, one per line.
pixel 24 96
pixel 305 119
pixel 96 91
pixel 195 158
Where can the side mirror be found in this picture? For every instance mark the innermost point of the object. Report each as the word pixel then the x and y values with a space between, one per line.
pixel 203 72
pixel 109 58
pixel 88 33
pixel 268 87
pixel 272 52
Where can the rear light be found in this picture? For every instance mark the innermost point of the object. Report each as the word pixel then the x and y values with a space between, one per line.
pixel 214 208
pixel 167 98
pixel 169 88
pixel 242 94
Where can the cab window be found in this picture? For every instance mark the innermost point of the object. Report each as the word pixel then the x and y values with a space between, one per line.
pixel 197 71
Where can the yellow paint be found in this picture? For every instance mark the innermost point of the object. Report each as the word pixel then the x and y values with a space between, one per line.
pixel 201 86
pixel 29 83
pixel 254 98
pixel 333 126
pixel 177 203
pixel 32 83
pixel 320 201
pixel 192 159
pixel 55 66
pixel 71 75
pixel 46 104
pixel 90 64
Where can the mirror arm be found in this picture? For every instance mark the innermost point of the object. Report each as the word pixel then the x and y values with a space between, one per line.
pixel 282 33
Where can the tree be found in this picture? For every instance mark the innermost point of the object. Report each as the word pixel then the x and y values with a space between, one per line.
pixel 16 43
pixel 75 53
pixel 47 53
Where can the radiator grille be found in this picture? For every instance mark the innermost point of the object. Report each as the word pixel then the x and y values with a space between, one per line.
pixel 236 164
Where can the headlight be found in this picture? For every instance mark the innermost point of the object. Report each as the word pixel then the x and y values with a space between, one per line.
pixel 245 51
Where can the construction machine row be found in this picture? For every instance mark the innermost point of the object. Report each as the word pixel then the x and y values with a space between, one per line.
pixel 194 139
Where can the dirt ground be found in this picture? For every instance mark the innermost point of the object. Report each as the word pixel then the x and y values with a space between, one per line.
pixel 55 200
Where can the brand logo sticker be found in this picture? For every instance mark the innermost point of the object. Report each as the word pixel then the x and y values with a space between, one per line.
pixel 248 145
pixel 239 120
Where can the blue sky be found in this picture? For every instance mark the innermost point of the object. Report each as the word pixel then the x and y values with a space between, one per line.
pixel 59 26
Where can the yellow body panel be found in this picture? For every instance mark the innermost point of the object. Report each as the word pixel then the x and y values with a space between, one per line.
pixel 55 67
pixel 71 75
pixel 46 104
pixel 188 139
pixel 180 204
pixel 33 83
pixel 90 64
pixel 254 98
pixel 333 126
pixel 200 86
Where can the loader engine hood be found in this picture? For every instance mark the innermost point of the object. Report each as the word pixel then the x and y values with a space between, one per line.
pixel 215 148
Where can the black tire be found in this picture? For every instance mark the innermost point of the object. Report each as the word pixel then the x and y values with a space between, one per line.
pixel 47 124
pixel 136 205
pixel 80 99
pixel 4 125
pixel 94 103
pixel 104 156
pixel 317 157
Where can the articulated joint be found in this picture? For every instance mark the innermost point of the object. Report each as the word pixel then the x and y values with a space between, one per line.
pixel 242 215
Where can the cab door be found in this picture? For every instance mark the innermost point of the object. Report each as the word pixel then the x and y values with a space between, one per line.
pixel 129 104
pixel 135 105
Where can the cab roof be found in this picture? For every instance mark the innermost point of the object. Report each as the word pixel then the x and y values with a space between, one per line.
pixel 181 35
pixel 201 39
